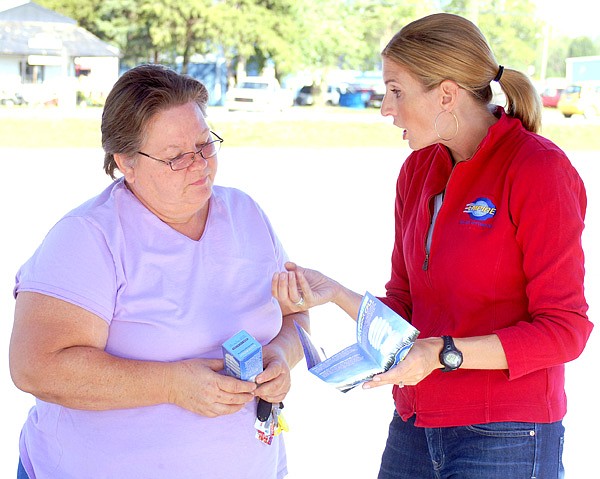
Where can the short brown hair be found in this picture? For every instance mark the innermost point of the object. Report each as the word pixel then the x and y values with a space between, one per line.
pixel 136 97
pixel 444 46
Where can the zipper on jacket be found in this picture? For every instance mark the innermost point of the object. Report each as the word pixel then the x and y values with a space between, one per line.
pixel 437 206
pixel 425 249
pixel 425 266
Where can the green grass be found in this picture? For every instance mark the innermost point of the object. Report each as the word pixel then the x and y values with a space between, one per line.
pixel 574 137
pixel 329 127
pixel 48 133
pixel 318 134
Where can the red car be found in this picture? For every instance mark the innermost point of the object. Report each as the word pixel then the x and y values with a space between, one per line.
pixel 550 97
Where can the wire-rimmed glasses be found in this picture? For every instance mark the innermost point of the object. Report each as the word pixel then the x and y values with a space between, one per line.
pixel 181 162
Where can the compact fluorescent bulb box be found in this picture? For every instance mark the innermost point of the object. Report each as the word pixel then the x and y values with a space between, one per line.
pixel 243 356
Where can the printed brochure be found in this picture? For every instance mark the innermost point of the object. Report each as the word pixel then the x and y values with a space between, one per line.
pixel 383 339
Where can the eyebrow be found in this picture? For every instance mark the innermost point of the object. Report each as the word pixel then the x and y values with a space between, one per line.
pixel 175 147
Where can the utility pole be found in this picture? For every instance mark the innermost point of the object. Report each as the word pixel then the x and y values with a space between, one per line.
pixel 545 49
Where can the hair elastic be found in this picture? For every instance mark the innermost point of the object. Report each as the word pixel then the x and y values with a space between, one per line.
pixel 499 74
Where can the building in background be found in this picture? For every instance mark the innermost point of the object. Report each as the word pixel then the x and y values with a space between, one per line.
pixel 46 58
pixel 583 69
pixel 211 70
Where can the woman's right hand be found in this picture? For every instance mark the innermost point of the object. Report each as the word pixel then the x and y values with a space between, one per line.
pixel 308 286
pixel 199 385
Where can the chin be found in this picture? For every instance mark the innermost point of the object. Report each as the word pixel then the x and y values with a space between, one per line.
pixel 199 194
pixel 419 145
pixel 413 145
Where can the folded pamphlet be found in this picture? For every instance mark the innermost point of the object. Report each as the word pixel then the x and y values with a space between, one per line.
pixel 383 339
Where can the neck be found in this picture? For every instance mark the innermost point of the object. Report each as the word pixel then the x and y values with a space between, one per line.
pixel 191 224
pixel 193 227
pixel 471 137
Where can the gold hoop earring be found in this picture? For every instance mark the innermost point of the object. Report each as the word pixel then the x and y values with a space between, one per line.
pixel 435 125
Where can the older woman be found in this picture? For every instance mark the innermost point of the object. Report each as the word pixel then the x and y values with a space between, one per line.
pixel 487 264
pixel 121 312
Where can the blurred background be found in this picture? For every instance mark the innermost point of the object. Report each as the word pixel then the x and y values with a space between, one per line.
pixel 295 91
pixel 257 54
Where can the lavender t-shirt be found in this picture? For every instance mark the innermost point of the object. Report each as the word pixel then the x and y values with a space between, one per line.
pixel 165 297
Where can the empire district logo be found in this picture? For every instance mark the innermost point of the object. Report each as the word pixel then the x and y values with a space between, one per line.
pixel 481 209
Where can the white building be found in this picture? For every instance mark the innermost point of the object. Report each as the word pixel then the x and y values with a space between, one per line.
pixel 47 58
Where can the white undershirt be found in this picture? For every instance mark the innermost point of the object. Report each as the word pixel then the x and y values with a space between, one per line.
pixel 437 204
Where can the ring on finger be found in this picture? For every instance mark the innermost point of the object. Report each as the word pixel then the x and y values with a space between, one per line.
pixel 300 302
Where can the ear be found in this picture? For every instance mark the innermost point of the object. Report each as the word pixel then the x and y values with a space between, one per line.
pixel 126 166
pixel 449 91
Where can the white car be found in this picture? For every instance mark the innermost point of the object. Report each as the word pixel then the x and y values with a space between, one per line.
pixel 258 94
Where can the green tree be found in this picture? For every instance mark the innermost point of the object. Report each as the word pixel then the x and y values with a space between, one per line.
pixel 374 24
pixel 510 27
pixel 326 34
pixel 145 30
pixel 260 30
pixel 556 66
pixel 84 11
pixel 315 35
pixel 179 29
pixel 117 22
pixel 582 47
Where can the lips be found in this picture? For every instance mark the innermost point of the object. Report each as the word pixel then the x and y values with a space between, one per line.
pixel 201 181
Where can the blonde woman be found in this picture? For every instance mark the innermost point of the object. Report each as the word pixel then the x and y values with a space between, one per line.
pixel 487 264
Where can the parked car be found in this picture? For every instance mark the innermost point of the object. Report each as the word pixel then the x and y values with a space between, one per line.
pixel 258 93
pixel 372 86
pixel 305 96
pixel 377 95
pixel 11 98
pixel 357 94
pixel 581 99
pixel 550 97
pixel 332 95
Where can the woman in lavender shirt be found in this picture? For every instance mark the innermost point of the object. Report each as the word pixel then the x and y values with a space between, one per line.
pixel 121 312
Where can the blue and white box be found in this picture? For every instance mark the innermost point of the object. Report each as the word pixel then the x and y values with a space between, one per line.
pixel 243 356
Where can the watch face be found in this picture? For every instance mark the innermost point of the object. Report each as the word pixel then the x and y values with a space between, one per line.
pixel 452 359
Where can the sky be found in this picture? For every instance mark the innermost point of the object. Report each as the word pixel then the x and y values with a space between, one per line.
pixel 571 17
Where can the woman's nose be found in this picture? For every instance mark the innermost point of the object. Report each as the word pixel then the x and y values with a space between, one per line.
pixel 199 161
pixel 386 109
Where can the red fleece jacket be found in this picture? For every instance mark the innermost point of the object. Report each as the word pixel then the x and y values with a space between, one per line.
pixel 505 258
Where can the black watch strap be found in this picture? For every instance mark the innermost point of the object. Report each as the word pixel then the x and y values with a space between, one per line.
pixel 450 357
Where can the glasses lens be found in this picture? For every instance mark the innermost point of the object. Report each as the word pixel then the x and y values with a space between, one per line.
pixel 210 149
pixel 183 161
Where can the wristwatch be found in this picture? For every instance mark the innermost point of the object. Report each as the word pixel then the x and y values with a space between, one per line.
pixel 450 357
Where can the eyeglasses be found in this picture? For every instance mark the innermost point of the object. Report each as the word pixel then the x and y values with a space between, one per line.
pixel 181 162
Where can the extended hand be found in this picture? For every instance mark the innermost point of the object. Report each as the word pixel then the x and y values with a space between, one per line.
pixel 312 286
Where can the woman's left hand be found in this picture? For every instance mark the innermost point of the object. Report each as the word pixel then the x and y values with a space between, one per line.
pixel 419 363
pixel 275 381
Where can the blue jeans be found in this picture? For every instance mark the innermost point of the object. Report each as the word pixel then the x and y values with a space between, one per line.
pixel 502 450
pixel 21 474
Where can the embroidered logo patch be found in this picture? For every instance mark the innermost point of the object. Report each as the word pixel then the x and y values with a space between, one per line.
pixel 481 209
